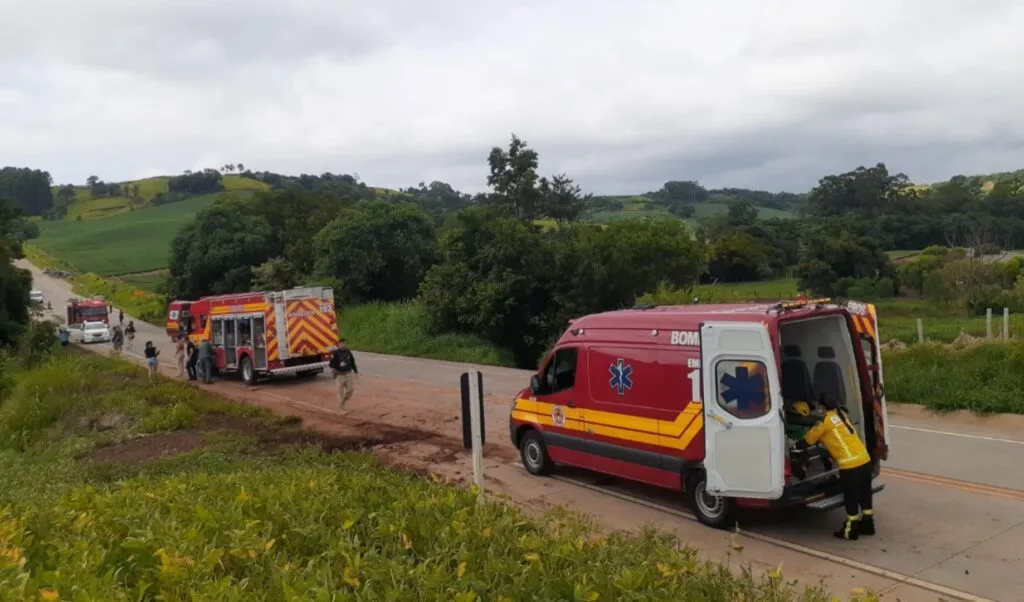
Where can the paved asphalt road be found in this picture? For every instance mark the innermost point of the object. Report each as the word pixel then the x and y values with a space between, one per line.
pixel 956 483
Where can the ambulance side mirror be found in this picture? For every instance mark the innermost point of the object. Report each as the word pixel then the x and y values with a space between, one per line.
pixel 535 385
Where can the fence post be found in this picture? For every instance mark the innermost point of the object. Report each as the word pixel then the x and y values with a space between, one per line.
pixel 988 323
pixel 920 331
pixel 1006 323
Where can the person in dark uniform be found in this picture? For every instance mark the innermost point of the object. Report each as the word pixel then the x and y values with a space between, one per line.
pixel 343 365
pixel 192 354
pixel 836 432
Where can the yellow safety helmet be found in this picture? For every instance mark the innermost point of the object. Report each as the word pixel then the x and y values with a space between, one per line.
pixel 802 408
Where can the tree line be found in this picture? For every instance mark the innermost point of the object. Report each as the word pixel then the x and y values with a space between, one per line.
pixel 515 263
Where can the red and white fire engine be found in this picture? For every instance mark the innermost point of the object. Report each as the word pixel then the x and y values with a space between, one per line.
pixel 262 334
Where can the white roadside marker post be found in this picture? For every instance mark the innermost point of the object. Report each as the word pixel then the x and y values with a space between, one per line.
pixel 473 423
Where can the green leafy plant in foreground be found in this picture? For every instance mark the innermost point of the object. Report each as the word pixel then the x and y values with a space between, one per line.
pixel 317 526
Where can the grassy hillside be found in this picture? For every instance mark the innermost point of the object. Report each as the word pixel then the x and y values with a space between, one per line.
pixel 90 208
pixel 128 242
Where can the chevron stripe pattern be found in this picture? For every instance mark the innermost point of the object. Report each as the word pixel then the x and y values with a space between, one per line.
pixel 866 325
pixel 312 327
pixel 273 351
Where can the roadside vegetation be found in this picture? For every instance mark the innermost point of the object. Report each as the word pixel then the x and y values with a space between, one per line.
pixel 117 489
pixel 493 278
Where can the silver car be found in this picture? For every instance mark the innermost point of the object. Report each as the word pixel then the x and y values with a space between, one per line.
pixel 95 332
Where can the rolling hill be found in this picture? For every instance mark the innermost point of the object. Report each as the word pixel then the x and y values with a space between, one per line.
pixel 87 207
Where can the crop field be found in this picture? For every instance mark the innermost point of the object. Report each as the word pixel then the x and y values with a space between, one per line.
pixel 186 496
pixel 90 208
pixel 126 243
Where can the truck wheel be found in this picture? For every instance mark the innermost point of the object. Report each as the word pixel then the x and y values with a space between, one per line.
pixel 248 373
pixel 712 510
pixel 535 454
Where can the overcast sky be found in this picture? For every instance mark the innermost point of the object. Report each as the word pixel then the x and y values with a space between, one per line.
pixel 620 95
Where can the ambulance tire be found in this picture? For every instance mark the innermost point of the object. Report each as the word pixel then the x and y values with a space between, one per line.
pixel 712 510
pixel 247 371
pixel 534 453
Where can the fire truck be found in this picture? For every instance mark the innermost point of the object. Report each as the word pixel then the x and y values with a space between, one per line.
pixel 80 311
pixel 705 399
pixel 262 334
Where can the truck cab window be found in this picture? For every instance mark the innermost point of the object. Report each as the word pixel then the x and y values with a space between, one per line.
pixel 742 388
pixel 560 374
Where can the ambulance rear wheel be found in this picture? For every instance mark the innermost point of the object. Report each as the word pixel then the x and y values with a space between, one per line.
pixel 712 510
pixel 248 373
pixel 535 454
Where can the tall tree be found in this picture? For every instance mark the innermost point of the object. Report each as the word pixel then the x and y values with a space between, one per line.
pixel 513 178
pixel 15 283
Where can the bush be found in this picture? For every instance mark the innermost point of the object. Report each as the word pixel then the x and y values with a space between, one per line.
pixel 982 378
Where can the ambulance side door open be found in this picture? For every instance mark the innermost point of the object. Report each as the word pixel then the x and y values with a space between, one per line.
pixel 743 428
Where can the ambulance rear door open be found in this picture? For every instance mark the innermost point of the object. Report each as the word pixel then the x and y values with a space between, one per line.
pixel 743 428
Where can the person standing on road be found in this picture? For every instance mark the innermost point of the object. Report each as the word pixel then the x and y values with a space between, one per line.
pixel 129 334
pixel 851 456
pixel 120 317
pixel 206 361
pixel 117 339
pixel 192 358
pixel 64 336
pixel 179 354
pixel 343 364
pixel 151 353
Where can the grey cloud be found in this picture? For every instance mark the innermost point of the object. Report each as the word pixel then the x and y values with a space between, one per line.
pixel 762 93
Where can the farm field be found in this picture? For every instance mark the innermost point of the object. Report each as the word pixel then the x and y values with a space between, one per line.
pixel 90 208
pixel 188 496
pixel 126 243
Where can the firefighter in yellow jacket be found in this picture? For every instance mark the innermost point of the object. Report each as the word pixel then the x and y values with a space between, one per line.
pixel 836 432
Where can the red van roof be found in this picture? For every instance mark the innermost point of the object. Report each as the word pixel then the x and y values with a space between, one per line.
pixel 689 317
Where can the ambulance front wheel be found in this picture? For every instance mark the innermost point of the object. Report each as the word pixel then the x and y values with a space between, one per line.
pixel 535 454
pixel 712 510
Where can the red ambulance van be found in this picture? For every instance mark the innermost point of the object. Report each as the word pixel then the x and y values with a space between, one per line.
pixel 700 399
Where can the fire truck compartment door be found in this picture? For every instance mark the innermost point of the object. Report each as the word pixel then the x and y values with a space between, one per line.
pixel 744 433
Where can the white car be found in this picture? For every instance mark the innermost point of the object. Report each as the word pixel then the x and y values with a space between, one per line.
pixel 36 297
pixel 95 332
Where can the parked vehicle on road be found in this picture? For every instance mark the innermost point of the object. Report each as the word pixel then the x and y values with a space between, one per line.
pixel 700 399
pixel 95 332
pixel 80 311
pixel 36 297
pixel 262 334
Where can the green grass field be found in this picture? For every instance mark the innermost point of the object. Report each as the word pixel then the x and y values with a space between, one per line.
pixel 147 281
pixel 398 329
pixel 90 208
pixel 190 497
pixel 126 243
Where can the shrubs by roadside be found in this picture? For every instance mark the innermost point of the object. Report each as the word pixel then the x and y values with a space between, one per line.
pixel 983 377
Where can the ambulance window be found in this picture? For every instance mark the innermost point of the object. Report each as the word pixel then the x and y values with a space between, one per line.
pixel 561 371
pixel 867 345
pixel 742 388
